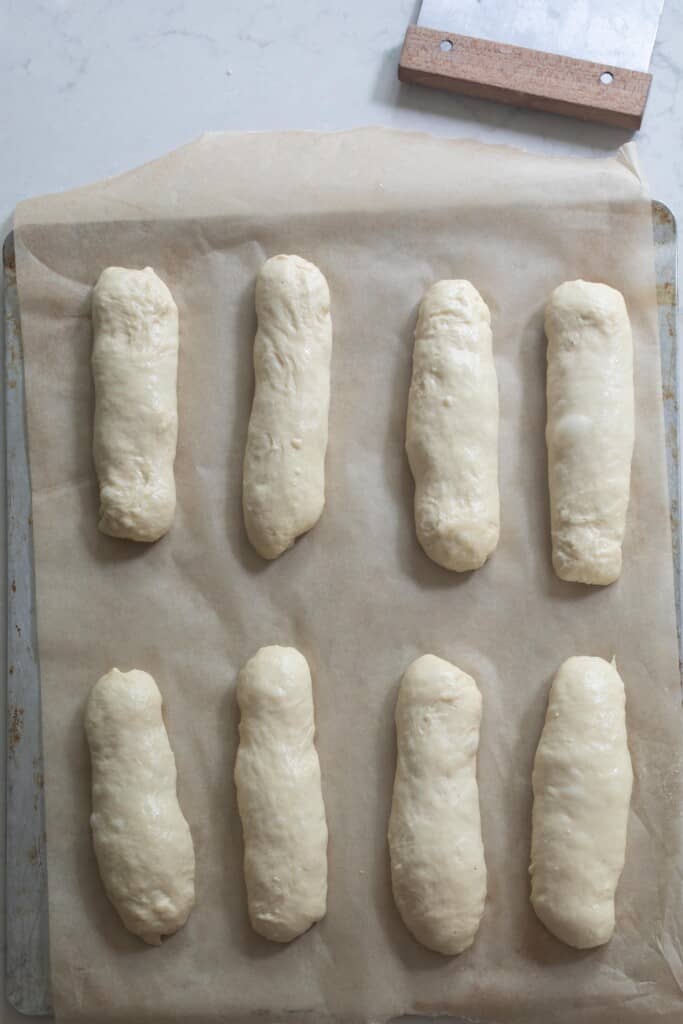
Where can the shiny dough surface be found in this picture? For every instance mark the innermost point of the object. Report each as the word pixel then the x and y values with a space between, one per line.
pixel 452 428
pixel 438 871
pixel 135 371
pixel 590 429
pixel 142 841
pixel 283 489
pixel 279 795
pixel 582 781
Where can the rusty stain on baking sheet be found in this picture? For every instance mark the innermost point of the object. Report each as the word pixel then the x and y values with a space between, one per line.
pixel 38 782
pixel 10 258
pixel 661 214
pixel 672 438
pixel 15 726
pixel 666 293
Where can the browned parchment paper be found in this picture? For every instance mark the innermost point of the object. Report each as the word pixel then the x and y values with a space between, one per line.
pixel 383 214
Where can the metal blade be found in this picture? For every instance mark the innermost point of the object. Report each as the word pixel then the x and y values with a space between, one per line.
pixel 618 32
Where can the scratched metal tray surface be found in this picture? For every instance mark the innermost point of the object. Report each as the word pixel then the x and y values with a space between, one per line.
pixel 27 968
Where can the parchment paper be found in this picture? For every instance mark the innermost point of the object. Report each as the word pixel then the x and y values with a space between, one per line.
pixel 384 214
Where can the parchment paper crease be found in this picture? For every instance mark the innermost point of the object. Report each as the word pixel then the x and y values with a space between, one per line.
pixel 384 214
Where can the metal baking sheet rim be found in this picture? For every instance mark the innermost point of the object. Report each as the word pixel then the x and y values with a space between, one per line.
pixel 27 971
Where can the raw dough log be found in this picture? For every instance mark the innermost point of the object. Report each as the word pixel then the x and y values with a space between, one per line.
pixel 135 368
pixel 438 871
pixel 279 795
pixel 284 462
pixel 590 429
pixel 452 428
pixel 142 841
pixel 582 783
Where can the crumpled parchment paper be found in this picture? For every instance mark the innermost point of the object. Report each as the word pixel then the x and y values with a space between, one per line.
pixel 384 214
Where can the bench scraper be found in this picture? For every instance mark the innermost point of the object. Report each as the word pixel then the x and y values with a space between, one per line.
pixel 582 59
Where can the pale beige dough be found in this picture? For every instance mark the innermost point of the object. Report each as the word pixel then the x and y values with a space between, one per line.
pixel 135 370
pixel 279 794
pixel 582 783
pixel 590 429
pixel 284 463
pixel 142 841
pixel 452 428
pixel 438 871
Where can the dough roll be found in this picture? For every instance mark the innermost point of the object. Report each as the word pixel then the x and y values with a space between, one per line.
pixel 142 841
pixel 582 783
pixel 135 369
pixel 438 872
pixel 590 429
pixel 452 428
pixel 284 463
pixel 279 795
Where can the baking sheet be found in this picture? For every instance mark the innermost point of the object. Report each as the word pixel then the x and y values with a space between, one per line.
pixel 27 968
pixel 26 911
pixel 357 595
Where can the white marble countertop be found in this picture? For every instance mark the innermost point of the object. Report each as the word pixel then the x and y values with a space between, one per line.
pixel 94 87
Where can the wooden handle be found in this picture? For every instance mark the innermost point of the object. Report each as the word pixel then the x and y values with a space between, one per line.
pixel 524 78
